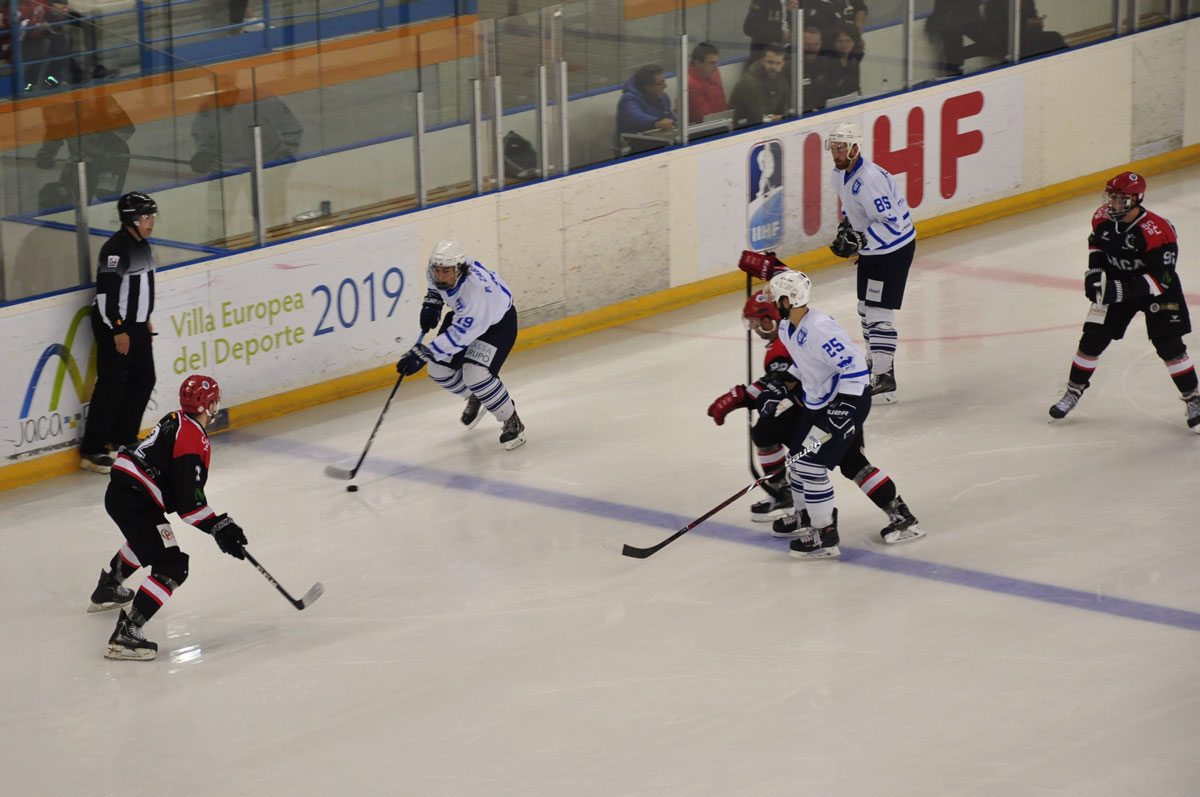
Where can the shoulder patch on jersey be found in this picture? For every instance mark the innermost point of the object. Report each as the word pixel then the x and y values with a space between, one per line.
pixel 1156 230
pixel 1100 216
pixel 114 261
pixel 854 189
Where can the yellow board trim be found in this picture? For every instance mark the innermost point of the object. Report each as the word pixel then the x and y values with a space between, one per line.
pixel 63 462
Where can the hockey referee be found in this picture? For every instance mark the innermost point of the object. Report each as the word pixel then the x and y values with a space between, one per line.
pixel 121 325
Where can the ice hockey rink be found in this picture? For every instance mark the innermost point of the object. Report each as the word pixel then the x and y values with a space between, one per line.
pixel 480 634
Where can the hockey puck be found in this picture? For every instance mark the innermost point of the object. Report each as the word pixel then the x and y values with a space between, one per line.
pixel 351 488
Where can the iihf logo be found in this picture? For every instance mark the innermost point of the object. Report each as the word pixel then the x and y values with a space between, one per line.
pixel 764 204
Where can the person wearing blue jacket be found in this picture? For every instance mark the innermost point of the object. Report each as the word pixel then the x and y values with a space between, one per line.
pixel 644 103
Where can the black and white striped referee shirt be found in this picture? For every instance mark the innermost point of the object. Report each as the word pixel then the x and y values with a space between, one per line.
pixel 125 281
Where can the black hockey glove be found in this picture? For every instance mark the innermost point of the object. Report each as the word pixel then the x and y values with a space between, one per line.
pixel 413 360
pixel 838 418
pixel 848 241
pixel 1093 285
pixel 775 398
pixel 431 310
pixel 229 536
pixel 1115 292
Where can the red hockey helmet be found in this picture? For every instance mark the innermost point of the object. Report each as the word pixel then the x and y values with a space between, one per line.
pixel 761 315
pixel 1124 193
pixel 197 393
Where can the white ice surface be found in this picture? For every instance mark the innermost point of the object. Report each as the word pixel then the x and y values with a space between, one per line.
pixel 480 635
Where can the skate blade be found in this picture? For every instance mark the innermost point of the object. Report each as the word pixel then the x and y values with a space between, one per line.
pixel 121 653
pixel 473 423
pixel 832 552
pixel 767 517
pixel 787 535
pixel 906 535
pixel 519 440
pixel 104 607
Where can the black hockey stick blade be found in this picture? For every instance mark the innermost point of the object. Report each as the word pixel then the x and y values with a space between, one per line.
pixel 310 597
pixel 642 553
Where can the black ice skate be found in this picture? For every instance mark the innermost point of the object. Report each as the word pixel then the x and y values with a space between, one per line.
pixel 96 463
pixel 128 643
pixel 883 387
pixel 1068 401
pixel 1192 403
pixel 471 414
pixel 109 594
pixel 776 505
pixel 903 526
pixel 513 434
pixel 817 543
pixel 792 525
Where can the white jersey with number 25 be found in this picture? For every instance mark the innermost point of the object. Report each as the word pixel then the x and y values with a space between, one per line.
pixel 824 359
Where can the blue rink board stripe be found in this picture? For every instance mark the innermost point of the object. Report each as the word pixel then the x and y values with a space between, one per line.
pixel 609 510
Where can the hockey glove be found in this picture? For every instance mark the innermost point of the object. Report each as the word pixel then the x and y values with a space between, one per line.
pixel 760 265
pixel 775 399
pixel 848 241
pixel 1093 285
pixel 1115 292
pixel 838 418
pixel 736 397
pixel 413 360
pixel 431 310
pixel 230 537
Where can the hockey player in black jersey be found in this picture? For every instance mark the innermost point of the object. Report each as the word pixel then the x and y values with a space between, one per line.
pixel 166 473
pixel 1132 254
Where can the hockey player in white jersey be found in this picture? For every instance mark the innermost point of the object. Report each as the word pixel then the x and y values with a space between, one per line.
pixel 878 228
pixel 833 375
pixel 474 340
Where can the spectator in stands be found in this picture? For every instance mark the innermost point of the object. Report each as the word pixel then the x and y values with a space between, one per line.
pixel 44 45
pixel 763 93
pixel 841 65
pixel 1035 39
pixel 826 15
pixel 95 70
pixel 706 92
pixel 232 14
pixel 953 20
pixel 644 104
pixel 768 22
pixel 815 86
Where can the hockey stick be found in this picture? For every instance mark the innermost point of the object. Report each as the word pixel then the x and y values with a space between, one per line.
pixel 310 597
pixel 333 471
pixel 642 553
pixel 750 380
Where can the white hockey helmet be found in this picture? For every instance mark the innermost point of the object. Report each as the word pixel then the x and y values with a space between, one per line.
pixel 795 285
pixel 447 254
pixel 848 133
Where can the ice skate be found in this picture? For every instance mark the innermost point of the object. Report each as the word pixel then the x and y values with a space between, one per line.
pixel 883 387
pixel 817 543
pixel 471 414
pixel 128 643
pixel 903 526
pixel 96 463
pixel 1068 401
pixel 1192 403
pixel 777 503
pixel 513 434
pixel 109 594
pixel 791 525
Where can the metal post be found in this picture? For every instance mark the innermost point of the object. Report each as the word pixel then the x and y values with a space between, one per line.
pixel 682 88
pixel 910 57
pixel 797 62
pixel 477 132
pixel 419 150
pixel 1014 41
pixel 1135 16
pixel 498 131
pixel 256 190
pixel 543 121
pixel 564 141
pixel 83 252
pixel 1116 16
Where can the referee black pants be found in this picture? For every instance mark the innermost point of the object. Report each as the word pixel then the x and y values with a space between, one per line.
pixel 123 386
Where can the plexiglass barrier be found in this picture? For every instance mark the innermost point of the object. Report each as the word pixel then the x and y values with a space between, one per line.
pixel 361 128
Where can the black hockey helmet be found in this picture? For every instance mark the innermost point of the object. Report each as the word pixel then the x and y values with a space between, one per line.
pixel 134 205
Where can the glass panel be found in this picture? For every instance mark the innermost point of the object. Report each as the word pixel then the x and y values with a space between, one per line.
pixel 1152 13
pixel 446 66
pixel 518 54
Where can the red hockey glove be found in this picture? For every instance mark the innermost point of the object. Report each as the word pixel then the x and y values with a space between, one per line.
pixel 728 402
pixel 760 265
